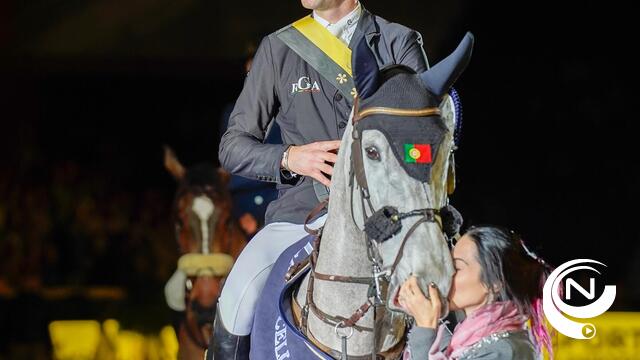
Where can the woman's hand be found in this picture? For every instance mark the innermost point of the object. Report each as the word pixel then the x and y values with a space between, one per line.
pixel 425 311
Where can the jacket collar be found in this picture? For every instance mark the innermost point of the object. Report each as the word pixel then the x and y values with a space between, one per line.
pixel 367 27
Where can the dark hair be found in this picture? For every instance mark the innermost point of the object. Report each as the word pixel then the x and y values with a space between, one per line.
pixel 517 272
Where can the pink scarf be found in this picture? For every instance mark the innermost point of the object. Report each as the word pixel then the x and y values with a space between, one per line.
pixel 489 319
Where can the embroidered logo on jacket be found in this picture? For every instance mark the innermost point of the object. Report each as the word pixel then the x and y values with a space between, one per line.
pixel 305 84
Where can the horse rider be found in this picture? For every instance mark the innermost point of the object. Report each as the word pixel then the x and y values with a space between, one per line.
pixel 300 79
pixel 250 196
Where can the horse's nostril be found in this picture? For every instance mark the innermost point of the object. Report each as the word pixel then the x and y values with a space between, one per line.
pixel 203 314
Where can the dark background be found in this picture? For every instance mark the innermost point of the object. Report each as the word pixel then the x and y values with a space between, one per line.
pixel 92 89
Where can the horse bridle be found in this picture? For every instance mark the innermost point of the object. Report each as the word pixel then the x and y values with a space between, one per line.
pixel 388 216
pixel 190 260
pixel 379 278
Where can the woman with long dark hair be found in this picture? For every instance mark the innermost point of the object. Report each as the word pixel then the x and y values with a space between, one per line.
pixel 498 285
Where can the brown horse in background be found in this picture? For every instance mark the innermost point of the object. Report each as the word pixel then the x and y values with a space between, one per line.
pixel 209 240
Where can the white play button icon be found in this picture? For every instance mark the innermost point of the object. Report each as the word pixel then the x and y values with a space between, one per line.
pixel 589 331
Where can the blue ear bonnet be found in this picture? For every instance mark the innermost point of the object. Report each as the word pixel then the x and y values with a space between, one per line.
pixel 399 87
pixel 437 80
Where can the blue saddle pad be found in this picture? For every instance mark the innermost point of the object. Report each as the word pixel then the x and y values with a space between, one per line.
pixel 273 336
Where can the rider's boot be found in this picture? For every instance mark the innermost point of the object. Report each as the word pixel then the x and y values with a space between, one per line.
pixel 224 345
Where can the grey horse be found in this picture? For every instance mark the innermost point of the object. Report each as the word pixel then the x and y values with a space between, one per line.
pixel 389 183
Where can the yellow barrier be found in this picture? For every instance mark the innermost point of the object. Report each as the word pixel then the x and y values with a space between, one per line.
pixel 617 337
pixel 80 340
pixel 74 340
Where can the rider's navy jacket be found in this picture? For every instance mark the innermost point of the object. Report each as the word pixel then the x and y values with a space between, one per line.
pixel 281 86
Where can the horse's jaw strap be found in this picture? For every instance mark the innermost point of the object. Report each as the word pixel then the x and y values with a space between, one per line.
pixel 431 217
pixel 379 110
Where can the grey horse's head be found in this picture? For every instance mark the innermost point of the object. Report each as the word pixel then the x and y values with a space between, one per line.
pixel 401 156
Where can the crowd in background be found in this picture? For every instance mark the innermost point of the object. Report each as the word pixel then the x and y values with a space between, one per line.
pixel 69 227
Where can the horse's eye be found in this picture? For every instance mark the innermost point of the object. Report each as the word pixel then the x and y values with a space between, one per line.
pixel 372 153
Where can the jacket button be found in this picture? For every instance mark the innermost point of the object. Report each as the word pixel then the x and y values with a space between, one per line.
pixel 338 97
pixel 342 124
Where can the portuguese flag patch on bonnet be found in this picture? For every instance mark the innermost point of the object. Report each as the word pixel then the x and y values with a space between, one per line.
pixel 417 153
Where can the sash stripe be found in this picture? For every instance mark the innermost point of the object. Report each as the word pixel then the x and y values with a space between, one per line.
pixel 325 41
pixel 324 52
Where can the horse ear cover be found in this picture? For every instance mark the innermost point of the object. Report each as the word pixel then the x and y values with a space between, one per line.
pixel 440 78
pixel 366 74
